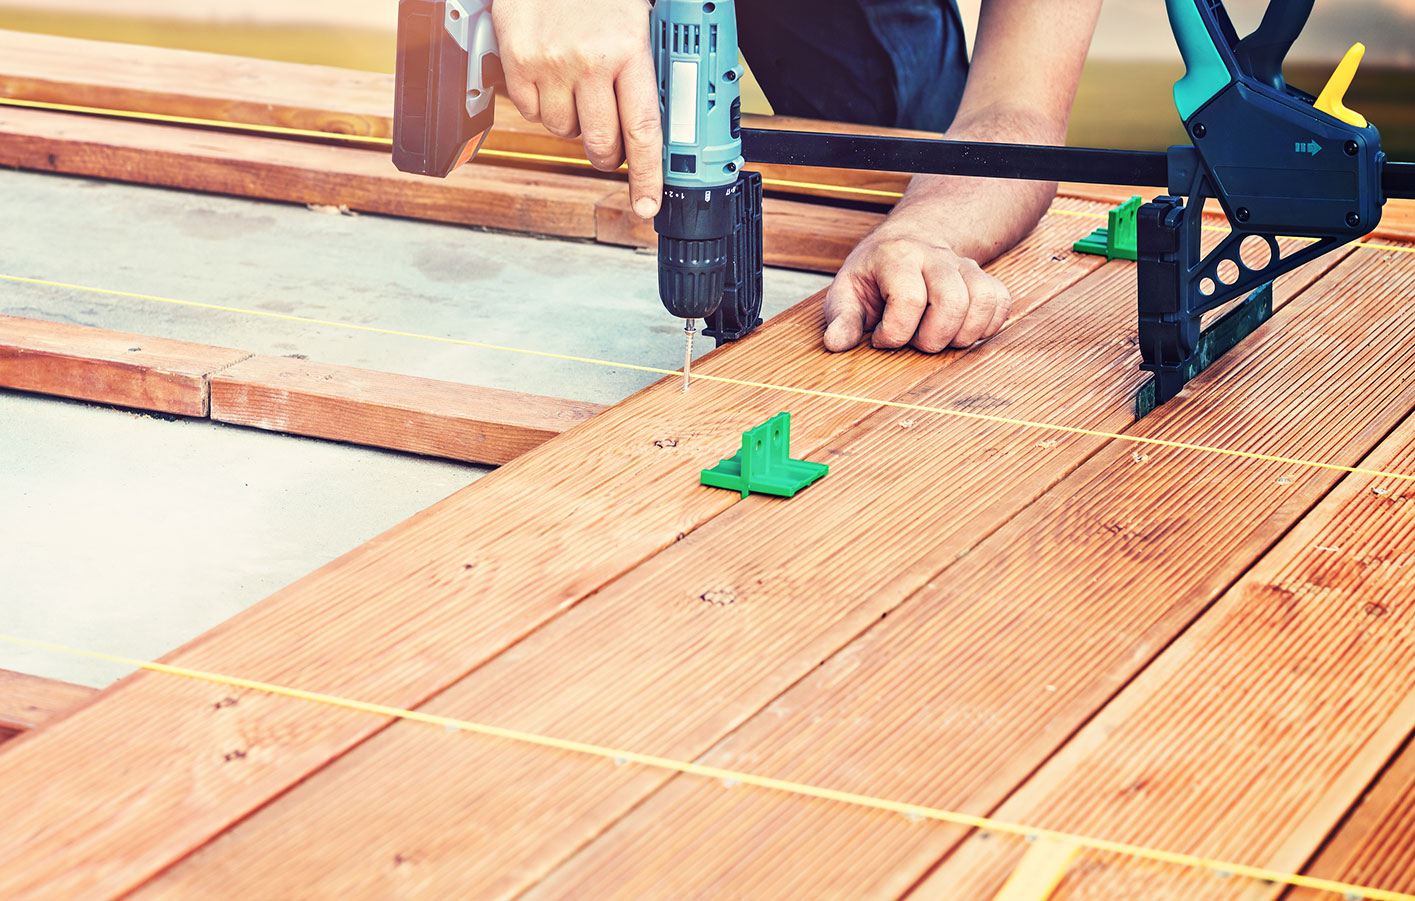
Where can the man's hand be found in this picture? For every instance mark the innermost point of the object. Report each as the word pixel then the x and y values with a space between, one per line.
pixel 911 291
pixel 916 278
pixel 583 67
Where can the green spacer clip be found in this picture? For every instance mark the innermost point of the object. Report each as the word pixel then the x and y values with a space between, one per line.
pixel 764 464
pixel 1117 241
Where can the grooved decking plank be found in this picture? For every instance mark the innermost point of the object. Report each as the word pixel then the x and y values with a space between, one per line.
pixel 683 649
pixel 959 695
pixel 1376 844
pixel 397 412
pixel 1251 737
pixel 94 364
pixel 794 234
pixel 30 701
pixel 414 610
pixel 298 172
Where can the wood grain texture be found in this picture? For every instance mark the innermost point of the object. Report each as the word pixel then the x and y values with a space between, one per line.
pixel 27 702
pixel 298 172
pixel 672 671
pixel 109 367
pixel 1376 843
pixel 959 694
pixel 200 85
pixel 413 611
pixel 1312 652
pixel 397 412
pixel 318 98
pixel 679 651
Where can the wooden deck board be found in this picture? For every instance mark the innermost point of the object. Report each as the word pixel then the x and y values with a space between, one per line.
pixel 1376 844
pixel 397 412
pixel 1312 650
pixel 670 672
pixel 956 697
pixel 27 702
pixel 417 608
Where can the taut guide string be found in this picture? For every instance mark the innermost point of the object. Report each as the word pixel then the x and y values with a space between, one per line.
pixel 732 777
pixel 623 756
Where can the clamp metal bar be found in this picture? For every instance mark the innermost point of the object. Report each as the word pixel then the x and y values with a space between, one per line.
pixel 1037 162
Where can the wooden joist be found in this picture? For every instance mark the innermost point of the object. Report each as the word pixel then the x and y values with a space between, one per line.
pixel 398 412
pixel 316 98
pixel 409 614
pixel 27 702
pixel 125 370
pixel 298 397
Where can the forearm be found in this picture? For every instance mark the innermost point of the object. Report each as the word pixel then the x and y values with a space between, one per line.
pixel 981 218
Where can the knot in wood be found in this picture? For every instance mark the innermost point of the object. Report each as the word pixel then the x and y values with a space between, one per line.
pixel 720 597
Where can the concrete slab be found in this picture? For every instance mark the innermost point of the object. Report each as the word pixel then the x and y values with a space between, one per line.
pixel 127 534
pixel 542 294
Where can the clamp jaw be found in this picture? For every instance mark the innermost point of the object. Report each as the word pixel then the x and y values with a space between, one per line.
pixel 1243 118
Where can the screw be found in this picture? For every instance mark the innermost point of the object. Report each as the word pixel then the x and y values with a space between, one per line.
pixel 1242 214
pixel 731 167
pixel 1353 220
pixel 1200 130
pixel 1352 148
pixel 730 76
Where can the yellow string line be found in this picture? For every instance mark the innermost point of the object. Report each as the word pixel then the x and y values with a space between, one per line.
pixel 745 383
pixel 385 142
pixel 742 383
pixel 731 777
pixel 495 154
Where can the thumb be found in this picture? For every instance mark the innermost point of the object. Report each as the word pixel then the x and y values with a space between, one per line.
pixel 845 316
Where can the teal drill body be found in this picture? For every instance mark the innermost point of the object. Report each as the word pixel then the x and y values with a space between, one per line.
pixel 699 83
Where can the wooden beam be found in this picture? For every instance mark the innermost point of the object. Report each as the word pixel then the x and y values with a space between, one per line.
pixel 379 409
pixel 293 171
pixel 426 603
pixel 397 412
pixel 317 98
pixel 117 368
pixel 27 702
pixel 795 234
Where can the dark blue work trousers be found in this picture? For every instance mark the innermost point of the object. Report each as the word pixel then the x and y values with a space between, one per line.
pixel 901 63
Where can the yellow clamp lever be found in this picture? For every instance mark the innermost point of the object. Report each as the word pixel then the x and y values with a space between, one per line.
pixel 1330 100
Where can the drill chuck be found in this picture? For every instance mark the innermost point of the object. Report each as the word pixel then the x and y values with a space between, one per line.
pixel 695 228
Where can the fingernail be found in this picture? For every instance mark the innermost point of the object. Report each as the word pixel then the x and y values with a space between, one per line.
pixel 644 208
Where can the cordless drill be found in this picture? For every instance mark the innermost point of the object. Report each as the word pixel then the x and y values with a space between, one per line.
pixel 710 242
pixel 709 227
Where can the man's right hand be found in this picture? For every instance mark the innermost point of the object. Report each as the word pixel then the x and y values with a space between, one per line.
pixel 583 67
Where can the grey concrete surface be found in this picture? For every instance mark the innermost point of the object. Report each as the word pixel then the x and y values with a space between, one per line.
pixel 130 534
pixel 560 296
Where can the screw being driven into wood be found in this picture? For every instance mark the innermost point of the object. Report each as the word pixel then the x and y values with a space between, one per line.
pixel 690 329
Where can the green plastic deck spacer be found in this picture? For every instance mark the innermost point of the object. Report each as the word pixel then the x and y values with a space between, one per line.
pixel 764 463
pixel 1117 241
